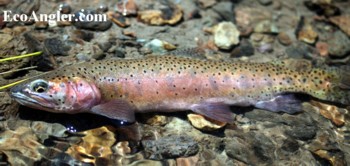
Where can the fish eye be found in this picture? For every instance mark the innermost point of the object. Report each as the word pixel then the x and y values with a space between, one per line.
pixel 39 86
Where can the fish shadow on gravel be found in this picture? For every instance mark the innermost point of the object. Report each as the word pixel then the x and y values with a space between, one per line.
pixel 81 122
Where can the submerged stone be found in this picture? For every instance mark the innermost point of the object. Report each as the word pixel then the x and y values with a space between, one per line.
pixel 226 35
pixel 171 147
pixel 202 123
pixel 302 132
pixel 339 44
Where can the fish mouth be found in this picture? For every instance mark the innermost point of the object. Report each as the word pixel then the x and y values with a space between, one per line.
pixel 27 101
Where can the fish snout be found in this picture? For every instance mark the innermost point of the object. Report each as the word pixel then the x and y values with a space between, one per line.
pixel 18 89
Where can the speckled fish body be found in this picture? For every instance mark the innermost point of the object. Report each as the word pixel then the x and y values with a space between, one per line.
pixel 170 83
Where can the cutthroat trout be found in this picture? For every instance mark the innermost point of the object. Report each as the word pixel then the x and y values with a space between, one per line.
pixel 119 88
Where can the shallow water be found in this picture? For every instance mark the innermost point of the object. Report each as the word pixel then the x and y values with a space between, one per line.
pixel 319 135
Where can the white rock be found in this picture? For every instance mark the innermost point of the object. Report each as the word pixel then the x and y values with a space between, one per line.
pixel 226 35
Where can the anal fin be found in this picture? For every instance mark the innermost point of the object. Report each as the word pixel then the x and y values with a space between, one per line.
pixel 282 103
pixel 217 111
pixel 115 109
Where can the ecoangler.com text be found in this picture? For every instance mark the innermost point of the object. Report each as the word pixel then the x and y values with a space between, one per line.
pixel 58 16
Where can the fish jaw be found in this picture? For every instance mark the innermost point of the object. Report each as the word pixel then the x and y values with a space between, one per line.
pixel 31 102
pixel 60 96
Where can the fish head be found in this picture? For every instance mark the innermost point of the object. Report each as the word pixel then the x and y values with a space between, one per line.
pixel 60 95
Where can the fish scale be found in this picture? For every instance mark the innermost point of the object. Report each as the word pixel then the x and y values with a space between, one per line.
pixel 170 83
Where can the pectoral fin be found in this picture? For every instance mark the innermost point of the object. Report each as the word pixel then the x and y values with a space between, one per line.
pixel 216 111
pixel 282 103
pixel 116 109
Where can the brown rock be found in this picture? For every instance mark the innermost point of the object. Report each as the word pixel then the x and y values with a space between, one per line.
pixel 157 120
pixel 95 144
pixel 187 161
pixel 334 158
pixel 122 148
pixel 246 17
pixel 284 39
pixel 333 113
pixel 21 140
pixel 171 15
pixel 202 123
pixel 307 34
pixel 343 22
pixel 322 48
pixel 129 33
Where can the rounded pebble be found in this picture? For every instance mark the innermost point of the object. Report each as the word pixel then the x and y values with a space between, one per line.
pixel 226 35
pixel 284 39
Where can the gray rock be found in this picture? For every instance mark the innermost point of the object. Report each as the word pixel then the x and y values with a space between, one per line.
pixel 82 57
pixel 302 132
pixel 83 34
pixel 263 115
pixel 98 53
pixel 339 44
pixel 237 148
pixel 172 146
pixel 105 46
pixel 302 119
pixel 253 148
pixel 244 49
pixel 56 47
pixel 119 53
pixel 290 145
pixel 224 9
pixel 97 25
pixel 300 50
pixel 263 148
